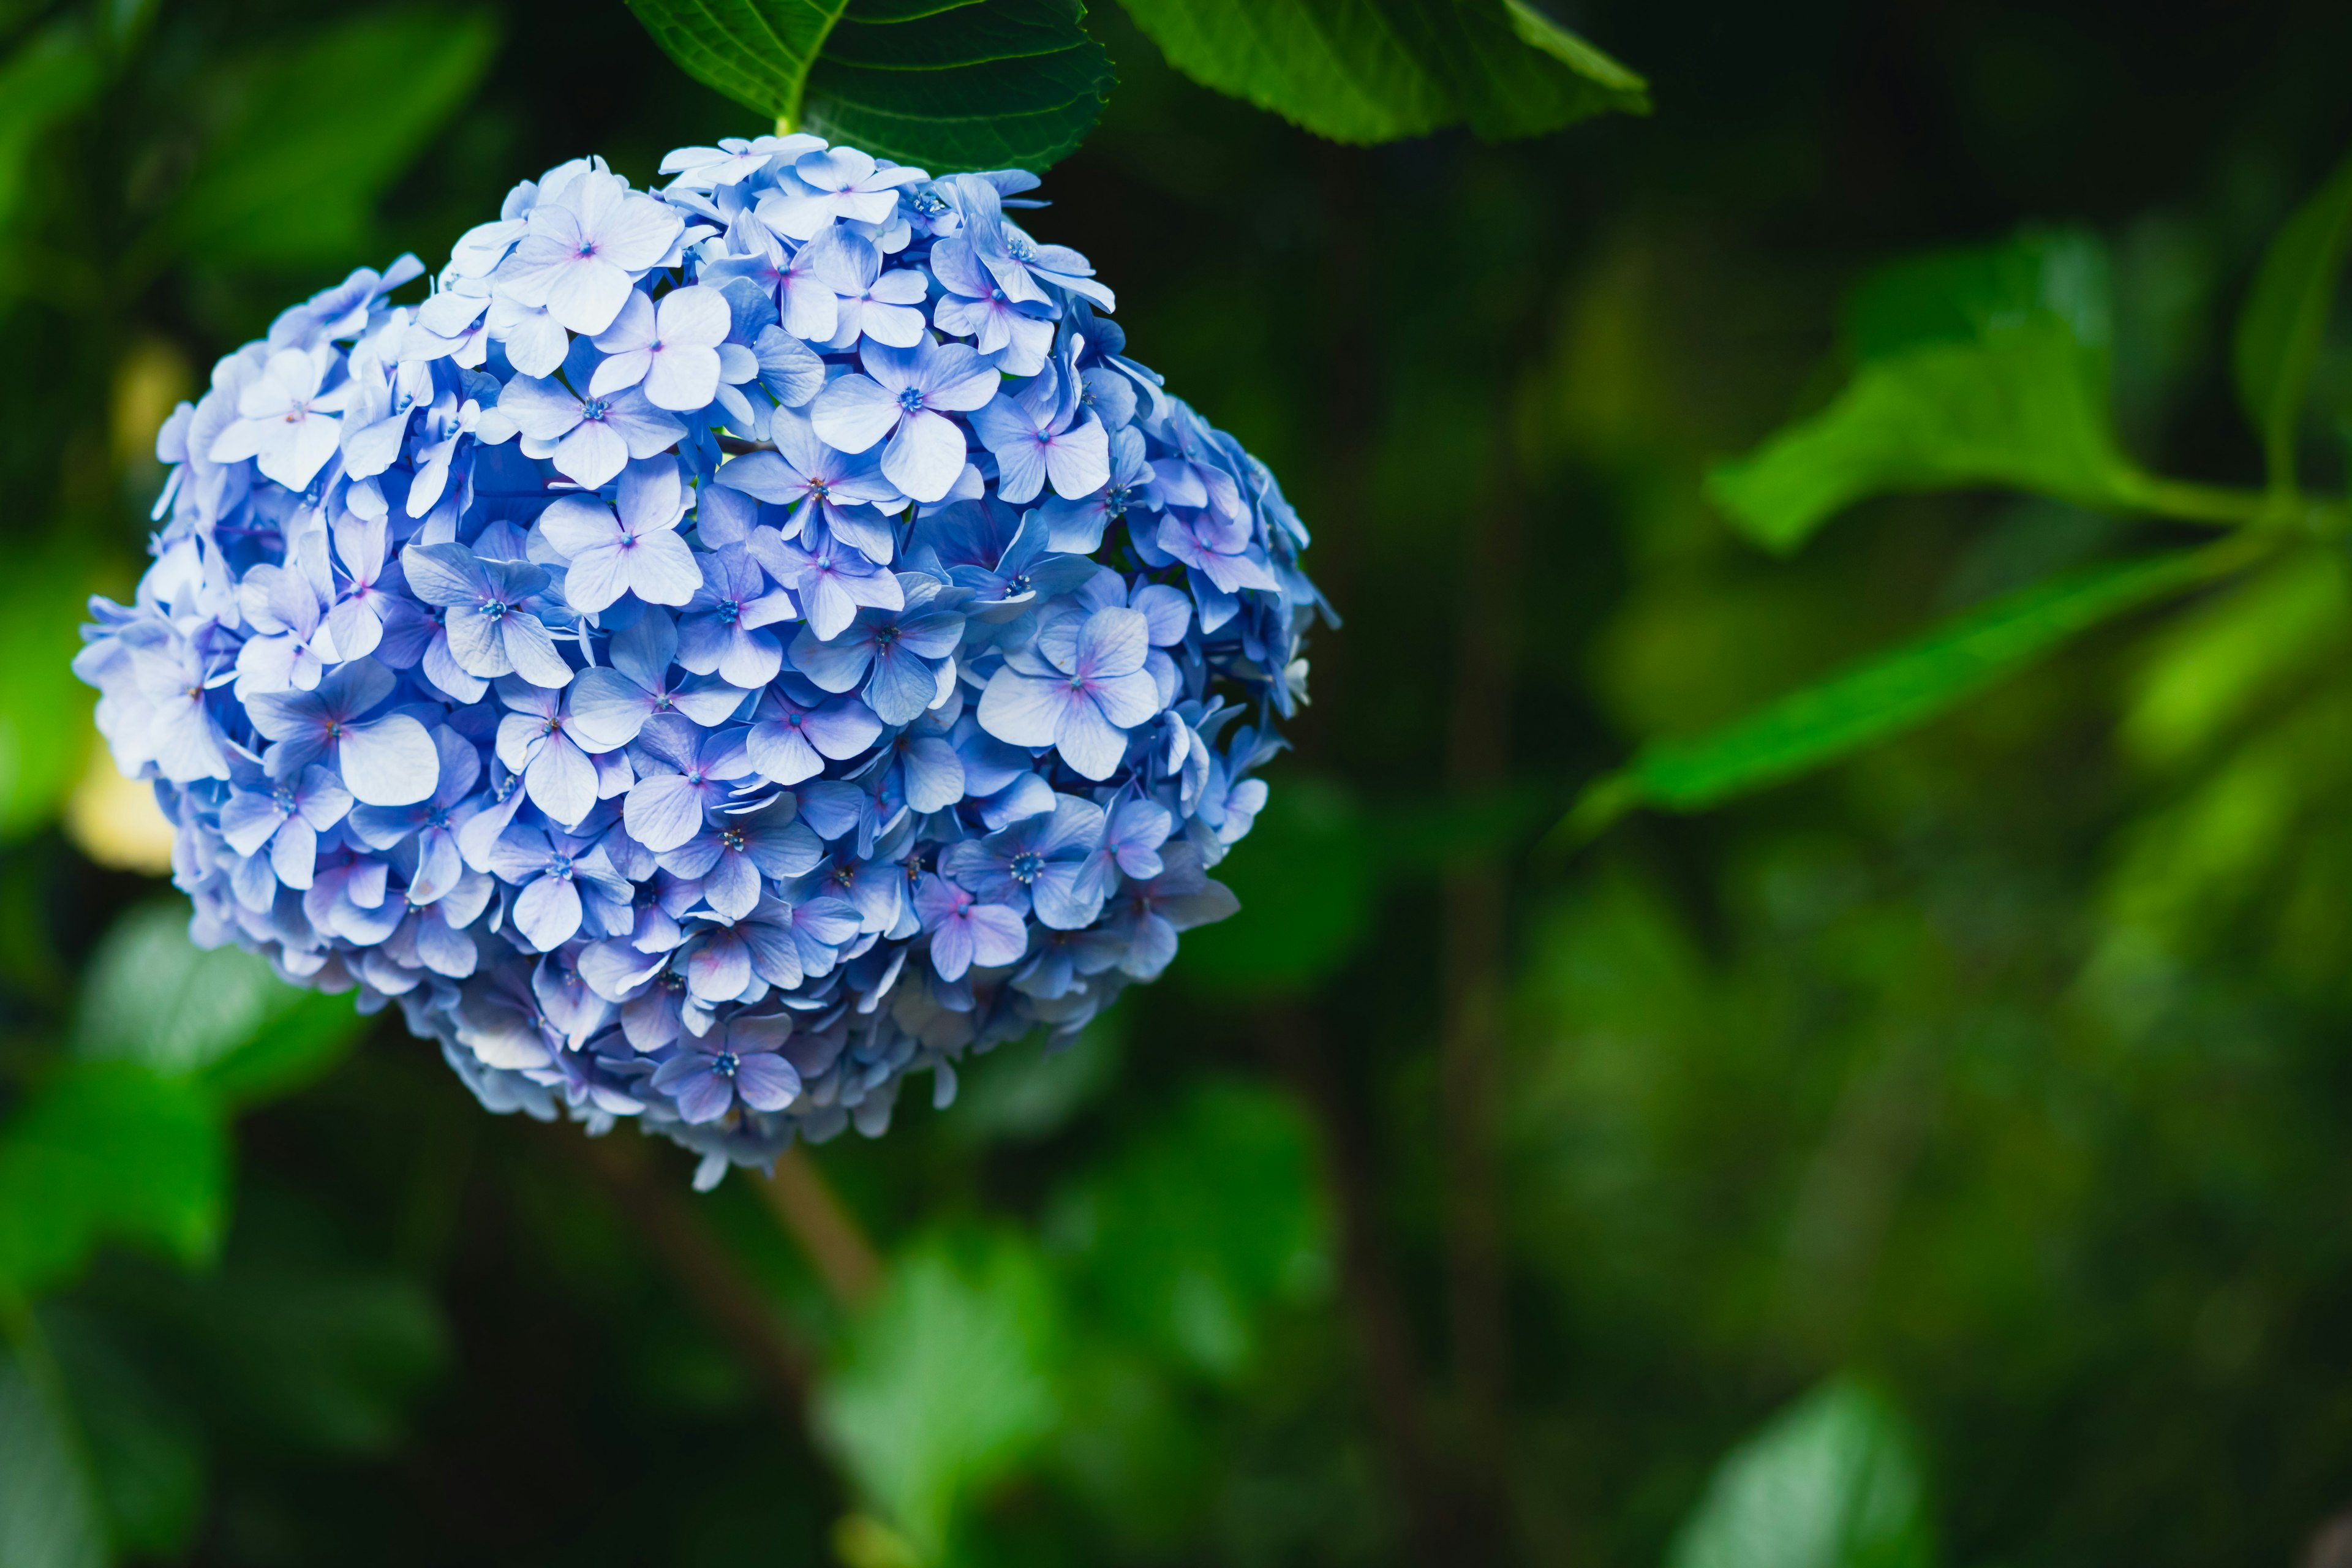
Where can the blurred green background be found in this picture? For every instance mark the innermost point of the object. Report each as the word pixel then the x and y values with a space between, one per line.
pixel 1940 1159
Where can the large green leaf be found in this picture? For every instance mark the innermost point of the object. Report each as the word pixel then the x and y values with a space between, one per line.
pixel 2020 407
pixel 1889 692
pixel 1376 70
pixel 1197 1228
pixel 309 138
pixel 1975 367
pixel 223 1017
pixel 947 1386
pixel 107 1151
pixel 2279 331
pixel 1831 1483
pixel 945 84
pixel 985 84
pixel 48 1507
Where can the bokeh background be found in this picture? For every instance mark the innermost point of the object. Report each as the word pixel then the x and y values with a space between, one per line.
pixel 1981 1101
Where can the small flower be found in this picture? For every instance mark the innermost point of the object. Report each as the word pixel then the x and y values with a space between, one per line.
pixel 670 349
pixel 288 816
pixel 611 704
pixel 1034 438
pixel 900 659
pixel 740 1063
pixel 637 552
pixel 796 731
pixel 1080 688
pixel 592 438
pixel 841 183
pixel 286 421
pixel 385 761
pixel 821 484
pixel 582 248
pixel 965 931
pixel 1040 861
pixel 722 629
pixel 905 394
pixel 494 611
pixel 536 740
pixel 682 776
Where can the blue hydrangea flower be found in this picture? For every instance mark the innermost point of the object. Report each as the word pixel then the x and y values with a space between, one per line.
pixel 726 648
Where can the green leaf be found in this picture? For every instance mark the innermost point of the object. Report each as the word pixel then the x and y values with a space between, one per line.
pixel 107 1151
pixel 1201 1226
pixel 1304 877
pixel 44 707
pixel 757 52
pixel 311 139
pixel 985 84
pixel 2285 316
pixel 1984 367
pixel 48 1508
pixel 1831 1483
pixel 1889 692
pixel 946 1388
pixel 327 1360
pixel 1379 70
pixel 42 83
pixel 146 1458
pixel 945 84
pixel 152 995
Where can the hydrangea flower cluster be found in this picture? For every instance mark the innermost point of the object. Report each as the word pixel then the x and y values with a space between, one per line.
pixel 729 646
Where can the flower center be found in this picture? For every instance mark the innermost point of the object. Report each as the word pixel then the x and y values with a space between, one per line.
pixel 734 838
pixel 910 398
pixel 559 866
pixel 725 1063
pixel 1026 865
pixel 596 409
pixel 493 608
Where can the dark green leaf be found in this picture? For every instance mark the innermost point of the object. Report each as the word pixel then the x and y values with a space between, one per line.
pixel 1961 296
pixel 312 139
pixel 45 80
pixel 944 84
pixel 1975 367
pixel 152 995
pixel 1889 693
pixel 107 1151
pixel 1378 70
pixel 1201 1226
pixel 1304 878
pixel 324 1360
pixel 2279 332
pixel 947 1386
pixel 146 1461
pixel 1831 1483
pixel 987 84
pixel 1334 66
pixel 757 52
pixel 48 1510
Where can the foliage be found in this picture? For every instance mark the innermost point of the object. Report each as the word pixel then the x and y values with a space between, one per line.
pixel 972 84
pixel 986 84
pixel 1997 1050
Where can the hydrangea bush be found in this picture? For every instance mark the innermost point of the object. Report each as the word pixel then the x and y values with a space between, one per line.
pixel 729 646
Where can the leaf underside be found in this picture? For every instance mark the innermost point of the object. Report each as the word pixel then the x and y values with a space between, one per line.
pixel 968 84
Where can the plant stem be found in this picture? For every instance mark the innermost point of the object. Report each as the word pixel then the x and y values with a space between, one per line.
pixel 839 1251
